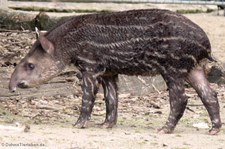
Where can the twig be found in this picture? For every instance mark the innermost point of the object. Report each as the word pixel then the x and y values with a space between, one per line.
pixel 156 89
pixel 147 85
pixel 7 30
pixel 195 105
pixel 190 109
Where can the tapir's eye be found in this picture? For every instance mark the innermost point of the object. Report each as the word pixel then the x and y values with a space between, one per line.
pixel 30 66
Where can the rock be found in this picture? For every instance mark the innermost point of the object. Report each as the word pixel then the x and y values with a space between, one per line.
pixel 201 125
pixel 215 72
pixel 141 85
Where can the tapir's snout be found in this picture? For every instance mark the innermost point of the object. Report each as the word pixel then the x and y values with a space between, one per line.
pixel 16 81
pixel 12 85
pixel 13 82
pixel 12 89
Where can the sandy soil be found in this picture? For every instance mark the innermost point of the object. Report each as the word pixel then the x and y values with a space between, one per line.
pixel 139 117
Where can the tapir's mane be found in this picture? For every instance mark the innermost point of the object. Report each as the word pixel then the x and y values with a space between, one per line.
pixel 75 20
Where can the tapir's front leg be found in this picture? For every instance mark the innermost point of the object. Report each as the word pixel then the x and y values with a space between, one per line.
pixel 90 88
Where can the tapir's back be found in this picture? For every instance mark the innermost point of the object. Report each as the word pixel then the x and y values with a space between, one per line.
pixel 153 23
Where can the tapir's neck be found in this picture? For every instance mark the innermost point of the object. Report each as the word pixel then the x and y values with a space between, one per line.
pixel 64 37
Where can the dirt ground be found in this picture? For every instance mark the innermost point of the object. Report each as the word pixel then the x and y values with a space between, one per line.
pixel 51 117
pixel 139 119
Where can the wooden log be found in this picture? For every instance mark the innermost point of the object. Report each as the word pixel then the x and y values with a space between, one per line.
pixel 3 4
pixel 18 20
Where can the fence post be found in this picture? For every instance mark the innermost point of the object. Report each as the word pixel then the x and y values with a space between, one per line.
pixel 3 4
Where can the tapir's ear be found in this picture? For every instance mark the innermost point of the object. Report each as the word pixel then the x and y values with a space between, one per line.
pixel 45 43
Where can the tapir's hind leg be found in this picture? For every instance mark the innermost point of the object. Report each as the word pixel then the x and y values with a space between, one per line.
pixel 209 97
pixel 178 101
pixel 111 100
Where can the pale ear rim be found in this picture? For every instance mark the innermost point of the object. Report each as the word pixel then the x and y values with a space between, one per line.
pixel 45 43
pixel 37 33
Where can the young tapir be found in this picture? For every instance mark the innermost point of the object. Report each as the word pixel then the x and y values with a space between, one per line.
pixel 136 42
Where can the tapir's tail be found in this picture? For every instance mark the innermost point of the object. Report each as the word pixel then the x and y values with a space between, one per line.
pixel 211 58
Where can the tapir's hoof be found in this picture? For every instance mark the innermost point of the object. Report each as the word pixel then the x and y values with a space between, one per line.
pixel 214 131
pixel 80 124
pixel 165 130
pixel 107 124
